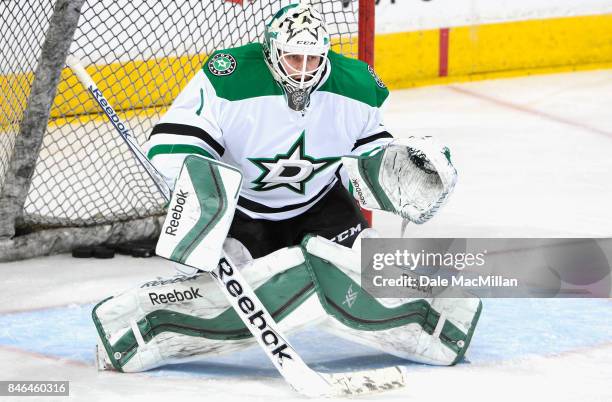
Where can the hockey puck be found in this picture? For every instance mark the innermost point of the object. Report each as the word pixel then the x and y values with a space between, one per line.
pixel 124 248
pixel 82 252
pixel 103 252
pixel 143 252
pixel 142 248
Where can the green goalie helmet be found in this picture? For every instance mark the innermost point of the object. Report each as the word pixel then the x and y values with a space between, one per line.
pixel 296 45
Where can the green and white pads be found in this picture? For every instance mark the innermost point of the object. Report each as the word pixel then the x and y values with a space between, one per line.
pixel 434 331
pixel 200 213
pixel 186 318
pixel 316 284
pixel 411 177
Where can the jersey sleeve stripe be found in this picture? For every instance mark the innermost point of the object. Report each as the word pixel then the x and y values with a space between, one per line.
pixel 184 129
pixel 371 138
pixel 178 149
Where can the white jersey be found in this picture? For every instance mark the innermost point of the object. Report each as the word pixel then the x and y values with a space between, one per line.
pixel 234 111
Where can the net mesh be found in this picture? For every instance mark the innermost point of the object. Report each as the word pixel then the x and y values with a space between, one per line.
pixel 22 32
pixel 140 53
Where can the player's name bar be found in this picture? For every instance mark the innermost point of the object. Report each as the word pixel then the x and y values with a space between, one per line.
pixel 34 388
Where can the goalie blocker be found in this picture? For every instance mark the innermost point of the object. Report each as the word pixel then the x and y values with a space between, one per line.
pixel 199 214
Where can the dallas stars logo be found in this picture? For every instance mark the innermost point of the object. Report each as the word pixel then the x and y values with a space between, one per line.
pixel 222 64
pixel 291 170
pixel 304 22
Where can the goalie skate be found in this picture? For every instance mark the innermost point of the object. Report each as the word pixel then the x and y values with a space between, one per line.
pixel 102 361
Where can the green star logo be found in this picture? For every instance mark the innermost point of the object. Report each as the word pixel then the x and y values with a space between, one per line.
pixel 222 64
pixel 291 170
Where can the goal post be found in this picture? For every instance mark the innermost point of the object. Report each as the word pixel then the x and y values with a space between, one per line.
pixel 33 124
pixel 367 17
pixel 65 178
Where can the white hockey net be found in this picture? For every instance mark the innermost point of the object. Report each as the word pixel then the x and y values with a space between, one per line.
pixel 141 53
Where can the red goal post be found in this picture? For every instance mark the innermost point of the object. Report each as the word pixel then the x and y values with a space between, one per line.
pixel 367 15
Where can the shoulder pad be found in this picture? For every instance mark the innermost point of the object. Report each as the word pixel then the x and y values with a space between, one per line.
pixel 355 79
pixel 240 73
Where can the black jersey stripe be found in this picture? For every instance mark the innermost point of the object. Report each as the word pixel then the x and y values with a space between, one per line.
pixel 372 138
pixel 253 206
pixel 192 131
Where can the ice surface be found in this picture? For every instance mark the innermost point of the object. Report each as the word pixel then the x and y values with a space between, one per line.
pixel 533 156
pixel 508 329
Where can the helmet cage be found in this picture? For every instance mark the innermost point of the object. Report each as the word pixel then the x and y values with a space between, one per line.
pixel 299 78
pixel 296 30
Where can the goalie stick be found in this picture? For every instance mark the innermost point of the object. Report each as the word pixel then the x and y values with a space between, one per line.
pixel 286 360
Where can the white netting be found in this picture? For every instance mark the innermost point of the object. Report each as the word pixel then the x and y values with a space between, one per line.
pixel 141 53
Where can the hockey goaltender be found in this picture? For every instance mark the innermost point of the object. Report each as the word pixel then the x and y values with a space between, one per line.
pixel 266 149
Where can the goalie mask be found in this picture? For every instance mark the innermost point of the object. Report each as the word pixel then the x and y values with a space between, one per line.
pixel 296 45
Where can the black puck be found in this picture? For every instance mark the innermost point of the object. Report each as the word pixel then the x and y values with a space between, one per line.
pixel 123 248
pixel 103 252
pixel 143 252
pixel 82 252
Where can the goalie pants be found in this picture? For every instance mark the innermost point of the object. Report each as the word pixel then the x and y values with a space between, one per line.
pixel 336 217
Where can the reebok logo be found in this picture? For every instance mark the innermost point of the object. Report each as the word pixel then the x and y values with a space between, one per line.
pixel 255 313
pixel 359 192
pixel 176 211
pixel 112 115
pixel 176 296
